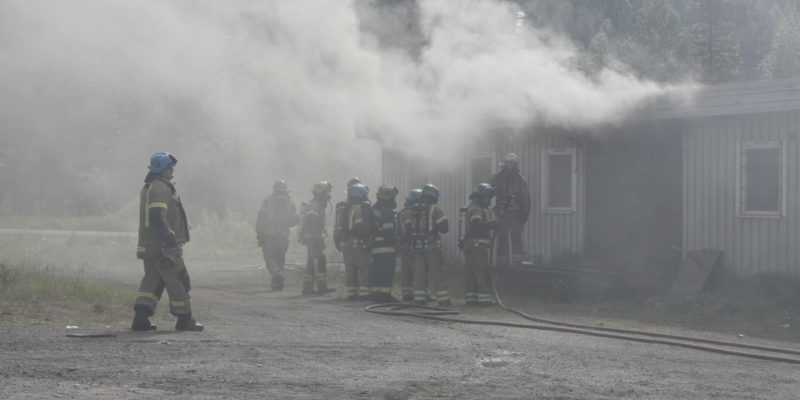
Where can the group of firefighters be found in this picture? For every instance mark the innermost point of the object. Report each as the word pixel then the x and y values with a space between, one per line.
pixel 370 236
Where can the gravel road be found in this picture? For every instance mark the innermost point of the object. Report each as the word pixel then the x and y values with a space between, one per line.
pixel 261 344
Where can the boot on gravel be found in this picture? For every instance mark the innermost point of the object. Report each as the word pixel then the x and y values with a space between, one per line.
pixel 408 298
pixel 187 323
pixel 277 283
pixel 142 323
pixel 325 290
pixel 445 303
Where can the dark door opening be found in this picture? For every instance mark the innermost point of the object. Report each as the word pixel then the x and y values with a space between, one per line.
pixel 634 201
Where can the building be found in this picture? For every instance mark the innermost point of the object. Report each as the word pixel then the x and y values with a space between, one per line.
pixel 704 168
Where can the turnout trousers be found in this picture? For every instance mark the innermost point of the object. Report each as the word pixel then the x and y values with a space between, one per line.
pixel 316 266
pixel 356 269
pixel 511 229
pixel 382 275
pixel 274 250
pixel 429 266
pixel 477 285
pixel 165 273
pixel 407 274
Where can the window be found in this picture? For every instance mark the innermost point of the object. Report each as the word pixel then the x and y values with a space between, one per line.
pixel 760 180
pixel 481 168
pixel 560 180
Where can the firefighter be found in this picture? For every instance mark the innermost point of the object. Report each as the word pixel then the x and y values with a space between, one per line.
pixel 353 241
pixel 477 244
pixel 312 235
pixel 512 205
pixel 163 229
pixel 404 241
pixel 383 244
pixel 428 223
pixel 276 216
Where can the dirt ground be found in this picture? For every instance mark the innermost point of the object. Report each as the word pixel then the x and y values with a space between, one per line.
pixel 263 344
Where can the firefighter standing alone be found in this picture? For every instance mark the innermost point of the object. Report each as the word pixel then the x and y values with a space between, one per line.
pixel 512 205
pixel 276 216
pixel 163 229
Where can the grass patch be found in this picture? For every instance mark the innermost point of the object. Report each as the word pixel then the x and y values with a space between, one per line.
pixel 41 293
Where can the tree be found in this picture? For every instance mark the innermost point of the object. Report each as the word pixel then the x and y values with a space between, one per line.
pixel 714 48
pixel 783 59
pixel 655 45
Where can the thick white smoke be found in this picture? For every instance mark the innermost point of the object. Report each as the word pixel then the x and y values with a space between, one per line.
pixel 304 89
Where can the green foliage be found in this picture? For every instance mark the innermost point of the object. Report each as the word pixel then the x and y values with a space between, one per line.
pixel 44 284
pixel 714 48
pixel 783 59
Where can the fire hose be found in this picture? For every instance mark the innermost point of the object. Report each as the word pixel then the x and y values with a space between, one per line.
pixel 444 315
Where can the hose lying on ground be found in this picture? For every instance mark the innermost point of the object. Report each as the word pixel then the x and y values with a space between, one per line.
pixel 440 314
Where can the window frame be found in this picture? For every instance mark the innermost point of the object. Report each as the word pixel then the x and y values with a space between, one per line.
pixel 481 154
pixel 546 208
pixel 741 185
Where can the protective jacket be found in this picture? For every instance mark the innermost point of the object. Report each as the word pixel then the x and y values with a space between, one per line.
pixel 358 231
pixel 313 225
pixel 479 227
pixel 512 194
pixel 425 225
pixel 384 228
pixel 162 219
pixel 276 216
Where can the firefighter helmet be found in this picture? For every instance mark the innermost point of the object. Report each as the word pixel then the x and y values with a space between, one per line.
pixel 483 190
pixel 161 161
pixel 414 195
pixel 430 191
pixel 353 181
pixel 280 186
pixel 322 187
pixel 511 160
pixel 386 192
pixel 357 191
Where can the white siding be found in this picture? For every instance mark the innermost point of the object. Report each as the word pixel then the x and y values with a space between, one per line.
pixel 750 245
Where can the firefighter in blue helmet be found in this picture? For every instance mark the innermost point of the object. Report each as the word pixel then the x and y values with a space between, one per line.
pixel 163 229
pixel 383 244
pixel 427 223
pixel 477 245
pixel 413 199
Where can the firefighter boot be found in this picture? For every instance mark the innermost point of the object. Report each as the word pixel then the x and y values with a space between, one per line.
pixel 186 323
pixel 325 290
pixel 141 322
pixel 445 303
pixel 407 298
pixel 277 282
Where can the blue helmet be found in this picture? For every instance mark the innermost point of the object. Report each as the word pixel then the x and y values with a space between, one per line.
pixel 430 191
pixel 357 191
pixel 161 161
pixel 483 190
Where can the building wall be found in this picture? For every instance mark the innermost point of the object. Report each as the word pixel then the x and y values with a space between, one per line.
pixel 546 232
pixel 711 148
